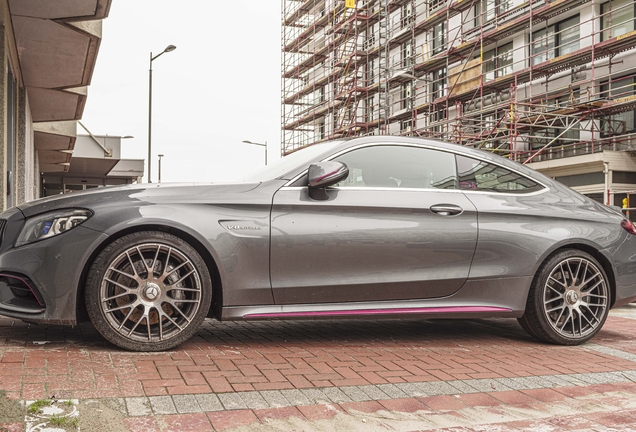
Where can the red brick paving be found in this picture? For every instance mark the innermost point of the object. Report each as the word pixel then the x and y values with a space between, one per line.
pixel 227 357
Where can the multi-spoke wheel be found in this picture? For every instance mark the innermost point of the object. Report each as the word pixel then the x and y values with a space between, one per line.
pixel 148 291
pixel 569 299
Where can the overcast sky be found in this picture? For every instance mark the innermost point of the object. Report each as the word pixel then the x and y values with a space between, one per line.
pixel 219 87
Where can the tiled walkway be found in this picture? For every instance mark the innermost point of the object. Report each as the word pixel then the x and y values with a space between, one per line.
pixel 403 374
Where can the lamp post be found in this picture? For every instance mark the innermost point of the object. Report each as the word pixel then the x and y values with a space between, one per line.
pixel 169 48
pixel 160 156
pixel 258 144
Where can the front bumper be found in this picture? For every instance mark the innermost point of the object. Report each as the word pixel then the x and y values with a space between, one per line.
pixel 51 269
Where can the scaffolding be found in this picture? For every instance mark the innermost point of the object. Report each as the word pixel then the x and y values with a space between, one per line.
pixel 529 79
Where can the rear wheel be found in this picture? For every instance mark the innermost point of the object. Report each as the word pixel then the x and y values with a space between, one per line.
pixel 569 299
pixel 148 291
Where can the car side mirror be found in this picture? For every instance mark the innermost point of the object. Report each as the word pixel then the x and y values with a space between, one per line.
pixel 324 174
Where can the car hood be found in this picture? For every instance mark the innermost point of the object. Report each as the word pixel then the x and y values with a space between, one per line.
pixel 152 193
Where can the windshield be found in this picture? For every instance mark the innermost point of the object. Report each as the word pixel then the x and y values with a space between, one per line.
pixel 288 163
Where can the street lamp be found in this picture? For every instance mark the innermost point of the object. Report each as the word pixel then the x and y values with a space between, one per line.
pixel 160 156
pixel 258 144
pixel 169 48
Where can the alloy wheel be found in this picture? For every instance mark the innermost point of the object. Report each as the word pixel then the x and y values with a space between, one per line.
pixel 150 292
pixel 575 298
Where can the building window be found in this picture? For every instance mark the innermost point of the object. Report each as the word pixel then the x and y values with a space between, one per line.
pixel 406 126
pixel 439 38
pixel 407 54
pixel 320 95
pixel 436 118
pixel 371 72
pixel 620 123
pixel 556 40
pixel 407 93
pixel 617 18
pixel 370 106
pixel 498 62
pixel 486 10
pixel 407 14
pixel 321 130
pixel 434 5
pixel 438 86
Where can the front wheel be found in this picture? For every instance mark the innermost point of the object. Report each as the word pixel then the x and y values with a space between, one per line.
pixel 569 299
pixel 148 291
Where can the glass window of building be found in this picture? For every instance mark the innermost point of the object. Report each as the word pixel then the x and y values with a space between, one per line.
pixel 370 105
pixel 439 38
pixel 617 18
pixel 406 101
pixel 624 122
pixel 407 54
pixel 438 86
pixel 498 62
pixel 487 10
pixel 556 40
pixel 568 36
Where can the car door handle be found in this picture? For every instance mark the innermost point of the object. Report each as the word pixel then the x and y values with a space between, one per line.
pixel 446 209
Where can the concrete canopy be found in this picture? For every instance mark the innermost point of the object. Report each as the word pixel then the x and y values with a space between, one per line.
pixel 57 43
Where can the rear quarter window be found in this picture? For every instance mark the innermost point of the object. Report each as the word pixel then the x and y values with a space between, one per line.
pixel 477 175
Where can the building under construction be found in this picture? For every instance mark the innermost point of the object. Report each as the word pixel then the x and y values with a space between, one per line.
pixel 547 83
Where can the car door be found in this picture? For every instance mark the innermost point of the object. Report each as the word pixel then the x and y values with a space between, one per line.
pixel 397 228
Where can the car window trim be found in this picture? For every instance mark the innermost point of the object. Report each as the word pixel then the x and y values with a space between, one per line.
pixel 287 186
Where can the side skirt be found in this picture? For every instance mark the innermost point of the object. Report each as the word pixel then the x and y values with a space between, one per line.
pixel 485 298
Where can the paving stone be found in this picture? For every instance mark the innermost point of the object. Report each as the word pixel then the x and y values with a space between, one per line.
pixel 511 383
pixel 232 401
pixel 274 398
pixel 435 388
pixel 295 397
pixel 209 402
pixel 336 395
pixel 138 407
pixel 611 377
pixel 355 394
pixel 486 385
pixel 556 380
pixel 536 382
pixel 392 390
pixel 254 400
pixel 611 351
pixel 186 404
pixel 463 387
pixel 587 378
pixel 374 392
pixel 411 389
pixel 316 396
pixel 571 380
pixel 162 405
pixel 116 404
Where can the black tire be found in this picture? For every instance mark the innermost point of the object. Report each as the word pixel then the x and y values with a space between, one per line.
pixel 569 299
pixel 148 291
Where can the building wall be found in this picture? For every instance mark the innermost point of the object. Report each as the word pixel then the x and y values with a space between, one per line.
pixel 406 96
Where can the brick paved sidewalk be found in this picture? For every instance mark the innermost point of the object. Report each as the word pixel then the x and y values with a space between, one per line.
pixel 249 371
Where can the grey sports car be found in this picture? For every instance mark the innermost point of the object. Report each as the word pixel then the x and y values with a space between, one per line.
pixel 368 227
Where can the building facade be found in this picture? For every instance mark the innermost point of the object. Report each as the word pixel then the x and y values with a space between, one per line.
pixel 549 83
pixel 47 52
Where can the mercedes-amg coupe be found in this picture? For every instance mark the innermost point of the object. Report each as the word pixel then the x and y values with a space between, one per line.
pixel 374 227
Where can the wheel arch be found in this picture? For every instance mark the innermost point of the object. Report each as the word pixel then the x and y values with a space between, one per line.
pixel 206 255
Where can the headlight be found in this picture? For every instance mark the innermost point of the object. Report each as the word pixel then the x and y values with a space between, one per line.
pixel 51 224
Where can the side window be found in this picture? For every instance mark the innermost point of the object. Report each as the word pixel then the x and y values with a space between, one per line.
pixel 399 167
pixel 482 176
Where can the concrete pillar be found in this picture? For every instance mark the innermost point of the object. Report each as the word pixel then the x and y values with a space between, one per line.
pixel 23 186
pixel 3 104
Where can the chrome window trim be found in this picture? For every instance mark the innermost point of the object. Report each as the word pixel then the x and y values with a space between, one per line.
pixel 287 186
